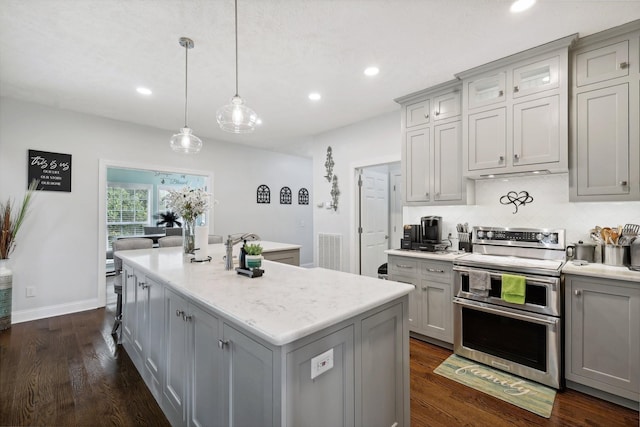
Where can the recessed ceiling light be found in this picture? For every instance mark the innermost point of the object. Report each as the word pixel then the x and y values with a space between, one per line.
pixel 258 121
pixel 143 91
pixel 371 71
pixel 521 5
pixel 315 96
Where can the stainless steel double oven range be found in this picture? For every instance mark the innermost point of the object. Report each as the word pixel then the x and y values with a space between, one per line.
pixel 524 339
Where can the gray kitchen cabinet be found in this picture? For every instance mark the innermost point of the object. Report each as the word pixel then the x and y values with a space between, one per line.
pixel 382 389
pixel 133 313
pixel 332 387
pixel 193 364
pixel 601 335
pixel 291 256
pixel 605 116
pixel 430 304
pixel 512 117
pixel 431 147
pixel 248 381
pixel 153 306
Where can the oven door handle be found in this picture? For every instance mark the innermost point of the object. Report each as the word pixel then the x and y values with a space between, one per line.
pixel 552 282
pixel 506 313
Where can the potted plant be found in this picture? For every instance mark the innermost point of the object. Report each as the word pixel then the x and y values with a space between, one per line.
pixel 12 216
pixel 253 259
pixel 169 219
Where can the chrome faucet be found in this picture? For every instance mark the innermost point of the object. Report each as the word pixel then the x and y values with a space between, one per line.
pixel 231 241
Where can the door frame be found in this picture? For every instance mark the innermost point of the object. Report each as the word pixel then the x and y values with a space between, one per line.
pixel 105 164
pixel 354 238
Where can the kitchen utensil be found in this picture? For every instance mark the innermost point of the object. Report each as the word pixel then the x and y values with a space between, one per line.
pixel 613 236
pixel 629 232
pixel 606 234
pixel 616 255
pixel 634 254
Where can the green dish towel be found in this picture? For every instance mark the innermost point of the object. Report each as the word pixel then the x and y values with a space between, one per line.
pixel 513 288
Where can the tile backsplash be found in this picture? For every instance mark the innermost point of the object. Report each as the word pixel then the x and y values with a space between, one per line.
pixel 550 208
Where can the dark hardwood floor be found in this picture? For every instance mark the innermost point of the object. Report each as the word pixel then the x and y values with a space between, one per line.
pixel 68 371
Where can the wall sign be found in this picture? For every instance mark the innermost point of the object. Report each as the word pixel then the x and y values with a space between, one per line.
pixel 516 199
pixel 52 170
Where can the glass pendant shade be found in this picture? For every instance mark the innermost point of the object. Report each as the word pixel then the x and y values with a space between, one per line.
pixel 236 117
pixel 185 142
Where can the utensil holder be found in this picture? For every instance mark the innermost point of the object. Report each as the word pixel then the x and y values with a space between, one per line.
pixel 464 242
pixel 616 255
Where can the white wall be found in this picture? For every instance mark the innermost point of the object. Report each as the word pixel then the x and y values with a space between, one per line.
pixel 57 251
pixel 371 142
pixel 550 208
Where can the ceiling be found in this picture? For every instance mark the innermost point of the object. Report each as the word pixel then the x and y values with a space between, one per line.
pixel 90 55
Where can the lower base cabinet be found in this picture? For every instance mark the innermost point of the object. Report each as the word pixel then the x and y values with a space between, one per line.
pixel 211 372
pixel 601 333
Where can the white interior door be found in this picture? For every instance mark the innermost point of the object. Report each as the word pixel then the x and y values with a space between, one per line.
pixel 396 231
pixel 374 220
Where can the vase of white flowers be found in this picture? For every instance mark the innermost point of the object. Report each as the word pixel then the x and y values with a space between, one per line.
pixel 189 203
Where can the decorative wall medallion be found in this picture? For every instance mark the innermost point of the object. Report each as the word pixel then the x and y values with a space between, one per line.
pixel 328 164
pixel 285 196
pixel 263 194
pixel 517 199
pixel 303 196
pixel 335 192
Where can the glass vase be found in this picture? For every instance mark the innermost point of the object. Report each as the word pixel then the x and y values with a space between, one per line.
pixel 189 236
pixel 6 279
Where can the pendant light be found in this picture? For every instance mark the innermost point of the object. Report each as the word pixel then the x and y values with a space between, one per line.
pixel 185 141
pixel 236 117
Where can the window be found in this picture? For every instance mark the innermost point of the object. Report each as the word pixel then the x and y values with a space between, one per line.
pixel 127 209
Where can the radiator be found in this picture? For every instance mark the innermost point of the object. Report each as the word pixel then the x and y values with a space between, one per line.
pixel 330 251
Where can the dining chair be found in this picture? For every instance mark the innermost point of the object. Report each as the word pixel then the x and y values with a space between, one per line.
pixel 167 241
pixel 173 231
pixel 124 245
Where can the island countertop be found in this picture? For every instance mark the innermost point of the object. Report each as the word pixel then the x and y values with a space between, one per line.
pixel 285 304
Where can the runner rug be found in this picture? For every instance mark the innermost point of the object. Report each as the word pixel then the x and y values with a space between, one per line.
pixel 526 394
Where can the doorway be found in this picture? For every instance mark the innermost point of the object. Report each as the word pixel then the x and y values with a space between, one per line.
pixel 152 172
pixel 379 214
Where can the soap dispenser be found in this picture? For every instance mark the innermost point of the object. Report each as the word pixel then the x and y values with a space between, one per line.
pixel 241 256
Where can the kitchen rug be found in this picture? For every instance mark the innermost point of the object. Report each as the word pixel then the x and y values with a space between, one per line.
pixel 526 394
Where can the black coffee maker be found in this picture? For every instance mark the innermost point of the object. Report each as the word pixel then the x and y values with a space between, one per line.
pixel 431 229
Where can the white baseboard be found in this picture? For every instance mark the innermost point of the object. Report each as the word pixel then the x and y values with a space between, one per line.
pixel 53 310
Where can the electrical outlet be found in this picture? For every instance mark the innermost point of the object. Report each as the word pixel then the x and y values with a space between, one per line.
pixel 321 363
pixel 30 292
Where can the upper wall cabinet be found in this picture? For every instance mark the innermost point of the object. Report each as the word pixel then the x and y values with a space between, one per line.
pixel 605 116
pixel 432 147
pixel 514 113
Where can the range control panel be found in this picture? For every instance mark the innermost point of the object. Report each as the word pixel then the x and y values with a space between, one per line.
pixel 526 237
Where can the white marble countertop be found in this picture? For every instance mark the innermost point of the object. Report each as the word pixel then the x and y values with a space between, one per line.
pixel 285 304
pixel 441 256
pixel 602 270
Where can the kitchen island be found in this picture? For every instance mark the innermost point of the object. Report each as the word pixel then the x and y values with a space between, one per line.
pixel 294 347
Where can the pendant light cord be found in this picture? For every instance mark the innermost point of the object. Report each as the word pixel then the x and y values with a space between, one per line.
pixel 186 69
pixel 236 27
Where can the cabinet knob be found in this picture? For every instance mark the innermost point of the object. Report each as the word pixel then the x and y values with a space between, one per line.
pixel 129 276
pixel 516 89
pixel 426 194
pixel 424 288
pixel 437 113
pixel 501 93
pixel 516 156
pixel 141 284
pixel 179 313
pixel 623 183
pixel 144 286
pixel 223 343
pixel 426 115
pixel 187 318
pixel 624 65
pixel 501 159
pixel 577 292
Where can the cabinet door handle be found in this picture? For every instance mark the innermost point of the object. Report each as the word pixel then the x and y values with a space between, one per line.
pixel 516 89
pixel 129 276
pixel 179 313
pixel 144 286
pixel 223 343
pixel 187 318
pixel 403 266
pixel 434 270
pixel 623 183
pixel 624 65
pixel 577 292
pixel 141 284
